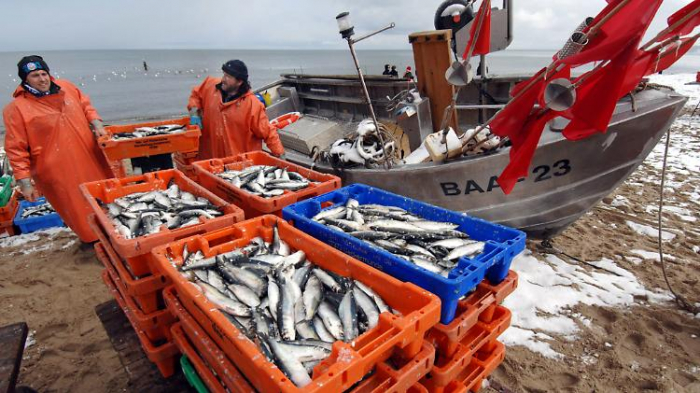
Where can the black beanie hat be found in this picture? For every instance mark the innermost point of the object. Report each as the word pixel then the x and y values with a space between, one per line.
pixel 236 69
pixel 29 64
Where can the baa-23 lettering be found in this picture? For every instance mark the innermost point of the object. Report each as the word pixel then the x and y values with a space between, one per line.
pixel 541 173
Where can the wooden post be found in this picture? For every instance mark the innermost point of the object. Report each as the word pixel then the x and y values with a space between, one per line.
pixel 432 55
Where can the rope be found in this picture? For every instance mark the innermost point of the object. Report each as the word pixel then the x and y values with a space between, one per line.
pixel 680 300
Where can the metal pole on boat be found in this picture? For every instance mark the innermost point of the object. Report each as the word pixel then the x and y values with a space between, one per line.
pixel 347 30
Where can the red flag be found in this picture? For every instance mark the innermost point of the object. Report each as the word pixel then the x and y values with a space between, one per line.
pixel 597 96
pixel 510 120
pixel 668 55
pixel 523 129
pixel 483 40
pixel 686 27
pixel 523 149
pixel 615 33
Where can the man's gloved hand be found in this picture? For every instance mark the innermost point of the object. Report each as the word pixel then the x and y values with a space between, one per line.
pixel 195 120
pixel 26 188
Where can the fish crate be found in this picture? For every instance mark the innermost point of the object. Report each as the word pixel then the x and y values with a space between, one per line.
pixel 163 353
pixel 483 364
pixel 9 210
pixel 399 335
pixel 502 243
pixel 146 291
pixel 5 189
pixel 136 252
pixel 116 150
pixel 398 375
pixel 254 205
pixel 206 349
pixel 155 325
pixel 478 306
pixel 33 224
pixel 393 375
pixel 447 368
pixel 184 162
pixel 202 369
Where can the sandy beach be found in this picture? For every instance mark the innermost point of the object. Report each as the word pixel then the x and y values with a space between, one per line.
pixel 595 315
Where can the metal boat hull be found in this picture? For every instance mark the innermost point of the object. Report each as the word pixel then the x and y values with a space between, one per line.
pixel 566 178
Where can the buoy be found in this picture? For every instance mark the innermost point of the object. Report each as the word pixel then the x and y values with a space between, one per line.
pixel 286 119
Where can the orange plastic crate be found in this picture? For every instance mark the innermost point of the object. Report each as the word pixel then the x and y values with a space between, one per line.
pixel 409 372
pixel 155 325
pixel 184 162
pixel 446 369
pixel 254 205
pixel 149 146
pixel 478 306
pixel 203 370
pixel 207 349
pixel 136 251
pixel 8 212
pixel 164 355
pixel 394 334
pixel 146 291
pixel 484 363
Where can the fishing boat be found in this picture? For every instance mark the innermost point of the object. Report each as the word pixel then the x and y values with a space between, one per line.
pixel 566 178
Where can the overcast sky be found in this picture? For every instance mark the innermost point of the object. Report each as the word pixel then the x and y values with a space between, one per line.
pixel 262 24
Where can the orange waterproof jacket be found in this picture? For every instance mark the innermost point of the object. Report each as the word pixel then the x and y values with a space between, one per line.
pixel 49 139
pixel 231 128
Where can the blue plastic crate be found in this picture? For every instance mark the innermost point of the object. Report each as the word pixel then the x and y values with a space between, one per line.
pixel 32 224
pixel 502 243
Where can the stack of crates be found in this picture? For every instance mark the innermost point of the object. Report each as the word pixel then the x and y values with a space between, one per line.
pixel 8 206
pixel 115 151
pixel 184 162
pixel 129 272
pixel 206 174
pixel 465 340
pixel 395 352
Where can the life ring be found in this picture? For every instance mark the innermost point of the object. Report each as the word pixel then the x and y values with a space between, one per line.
pixel 286 119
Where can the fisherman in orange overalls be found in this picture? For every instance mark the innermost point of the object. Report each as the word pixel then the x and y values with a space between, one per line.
pixel 232 119
pixel 50 143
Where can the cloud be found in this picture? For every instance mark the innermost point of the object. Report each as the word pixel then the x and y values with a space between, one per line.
pixel 261 24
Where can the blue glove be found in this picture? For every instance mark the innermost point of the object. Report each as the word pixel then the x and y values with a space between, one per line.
pixel 196 121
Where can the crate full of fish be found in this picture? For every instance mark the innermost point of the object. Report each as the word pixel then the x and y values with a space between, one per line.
pixel 395 374
pixel 291 312
pixel 34 216
pixel 5 189
pixel 149 139
pixel 445 252
pixel 194 342
pixel 141 212
pixel 260 183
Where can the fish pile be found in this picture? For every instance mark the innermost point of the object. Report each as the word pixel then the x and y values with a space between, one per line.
pixel 267 181
pixel 293 310
pixel 144 213
pixel 432 245
pixel 38 211
pixel 143 132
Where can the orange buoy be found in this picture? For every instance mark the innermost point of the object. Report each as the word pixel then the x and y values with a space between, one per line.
pixel 286 119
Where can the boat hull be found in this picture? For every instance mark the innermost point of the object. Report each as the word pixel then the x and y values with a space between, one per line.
pixel 566 178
